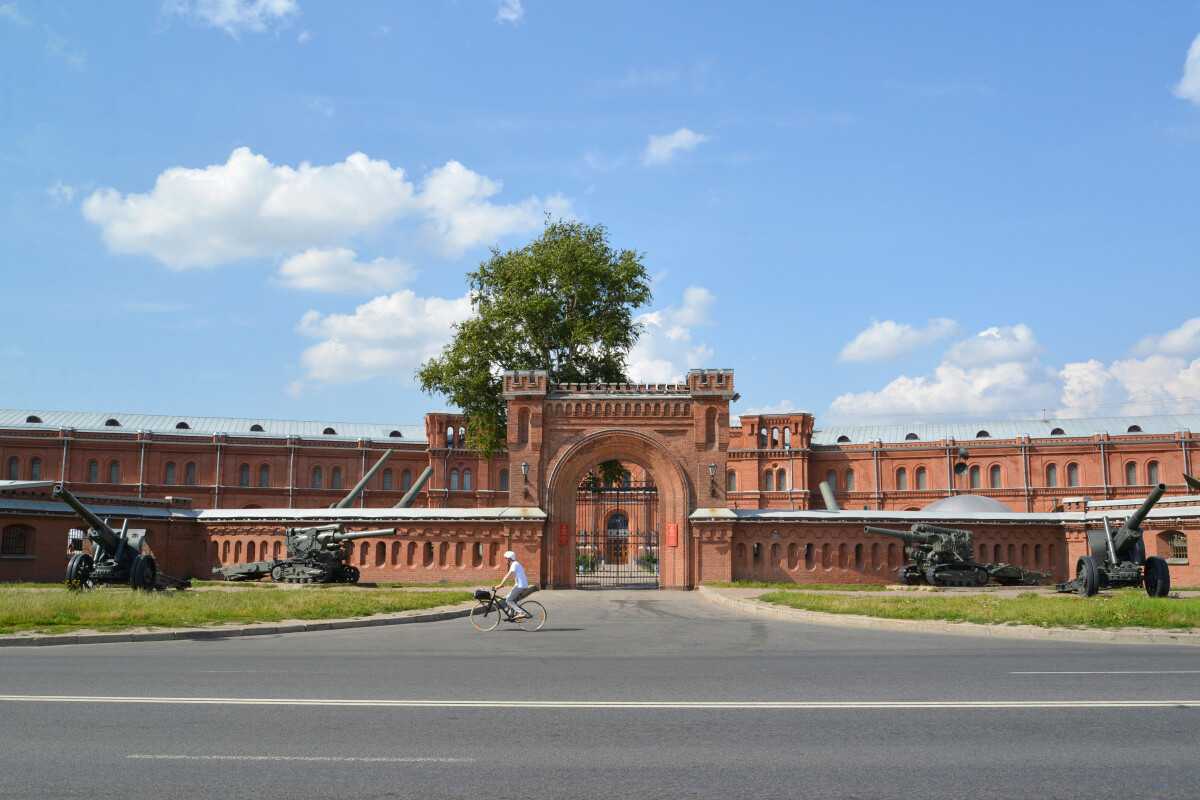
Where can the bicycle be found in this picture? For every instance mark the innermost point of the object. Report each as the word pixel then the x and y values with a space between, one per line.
pixel 491 610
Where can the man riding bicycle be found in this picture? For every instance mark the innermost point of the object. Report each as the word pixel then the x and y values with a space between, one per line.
pixel 520 585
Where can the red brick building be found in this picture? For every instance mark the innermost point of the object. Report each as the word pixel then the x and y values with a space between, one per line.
pixel 713 501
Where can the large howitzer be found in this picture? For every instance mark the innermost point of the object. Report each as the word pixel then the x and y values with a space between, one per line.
pixel 1119 559
pixel 116 557
pixel 944 557
pixel 411 495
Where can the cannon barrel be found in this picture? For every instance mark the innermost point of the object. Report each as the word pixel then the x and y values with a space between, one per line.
pixel 333 537
pixel 109 540
pixel 358 487
pixel 925 527
pixel 412 493
pixel 827 495
pixel 907 536
pixel 1130 532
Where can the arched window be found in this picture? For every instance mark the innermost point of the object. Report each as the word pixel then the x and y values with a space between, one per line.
pixel 911 437
pixel 843 440
pixel 774 437
pixel 466 480
pixel 849 480
pixel 787 438
pixel 504 480
pixel 1152 473
pixel 35 469
pixel 1058 432
pixel 256 428
pixel 244 475
pixel 781 482
pixel 994 474
pixel 1134 429
pixel 1052 476
pixel 922 478
pixel 335 478
pixel 405 480
pixel 93 472
pixel 190 474
pixel 768 481
pixel 264 476
pixel 169 477
pixel 387 480
pixel 318 477
pixel 731 481
pixel 1072 474
pixel 762 439
pixel 1177 547
pixel 449 437
pixel 831 479
pixel 114 472
pixel 976 481
pixel 453 480
pixel 15 540
pixel 1131 474
pixel 902 479
pixel 329 432
pixel 14 469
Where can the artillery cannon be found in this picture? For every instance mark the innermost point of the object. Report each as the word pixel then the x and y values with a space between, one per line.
pixel 1119 559
pixel 116 557
pixel 943 557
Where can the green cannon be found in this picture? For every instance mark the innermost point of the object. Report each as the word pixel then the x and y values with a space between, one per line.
pixel 358 487
pixel 116 557
pixel 1119 559
pixel 411 495
pixel 945 557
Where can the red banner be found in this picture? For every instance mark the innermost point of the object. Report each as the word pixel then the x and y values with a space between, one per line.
pixel 564 534
pixel 672 535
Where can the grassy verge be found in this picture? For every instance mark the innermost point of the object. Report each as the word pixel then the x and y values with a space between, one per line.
pixel 1118 609
pixel 60 610
pixel 814 587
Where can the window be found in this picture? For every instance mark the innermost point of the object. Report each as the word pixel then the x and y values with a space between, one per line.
pixel 396 435
pixel 15 540
pixel 387 480
pixel 787 438
pixel 329 432
pixel 523 427
pixel 768 481
pixel 264 476
pixel 14 469
pixel 93 472
pixel 182 426
pixel 1151 473
pixel 504 480
pixel 849 480
pixel 449 437
pixel 1052 476
pixel 111 423
pixel 1134 429
pixel 843 440
pixel 335 478
pixel 244 475
pixel 35 419
pixel 1072 474
pixel 912 437
pixel 114 472
pixel 976 480
pixel 1177 546
pixel 831 479
pixel 169 476
pixel 1131 474
pixel 994 474
pixel 453 480
pixel 1058 432
pixel 35 469
pixel 317 476
pixel 902 479
pixel 190 474
pixel 774 437
pixel 731 481
pixel 781 481
pixel 256 428
pixel 762 439
pixel 922 480
pixel 406 480
pixel 982 435
pixel 466 480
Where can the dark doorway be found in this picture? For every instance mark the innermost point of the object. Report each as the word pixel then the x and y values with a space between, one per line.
pixel 616 535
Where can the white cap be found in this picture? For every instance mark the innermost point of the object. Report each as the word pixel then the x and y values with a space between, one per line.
pixel 510 554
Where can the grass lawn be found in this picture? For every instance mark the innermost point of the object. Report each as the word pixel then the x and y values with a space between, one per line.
pixel 1117 609
pixel 61 610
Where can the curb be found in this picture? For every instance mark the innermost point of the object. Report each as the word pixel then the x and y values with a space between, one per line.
pixel 1140 636
pixel 262 629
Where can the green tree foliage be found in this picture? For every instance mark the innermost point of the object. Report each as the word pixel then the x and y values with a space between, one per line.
pixel 563 303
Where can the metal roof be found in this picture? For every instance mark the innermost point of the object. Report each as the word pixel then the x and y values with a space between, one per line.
pixel 966 432
pixel 206 426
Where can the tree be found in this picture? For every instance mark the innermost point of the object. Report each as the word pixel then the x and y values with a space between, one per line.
pixel 563 303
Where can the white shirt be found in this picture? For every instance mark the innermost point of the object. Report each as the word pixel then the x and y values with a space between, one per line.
pixel 519 571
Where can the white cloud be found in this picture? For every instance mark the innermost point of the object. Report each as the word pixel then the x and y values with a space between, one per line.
pixel 1155 385
pixel 10 12
pixel 338 270
pixel 1188 87
pixel 782 407
pixel 995 346
pixel 1183 341
pixel 665 351
pixel 61 193
pixel 890 341
pixel 304 37
pixel 249 208
pixel 509 11
pixel 235 16
pixel 387 337
pixel 662 149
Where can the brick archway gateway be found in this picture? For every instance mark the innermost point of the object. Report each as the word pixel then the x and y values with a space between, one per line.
pixel 630 447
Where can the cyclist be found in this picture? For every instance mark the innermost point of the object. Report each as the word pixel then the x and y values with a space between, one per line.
pixel 520 584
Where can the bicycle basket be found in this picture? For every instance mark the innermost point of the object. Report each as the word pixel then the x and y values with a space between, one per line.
pixel 482 594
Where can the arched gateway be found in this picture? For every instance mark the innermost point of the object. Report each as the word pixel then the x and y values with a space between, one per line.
pixel 677 434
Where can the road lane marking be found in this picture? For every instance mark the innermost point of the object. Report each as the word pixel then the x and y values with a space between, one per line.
pixel 1115 672
pixel 171 757
pixel 608 704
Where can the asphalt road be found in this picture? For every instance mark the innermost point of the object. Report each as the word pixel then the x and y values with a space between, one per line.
pixel 627 694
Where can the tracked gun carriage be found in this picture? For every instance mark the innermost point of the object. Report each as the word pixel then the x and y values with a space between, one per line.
pixel 943 557
pixel 116 557
pixel 1119 559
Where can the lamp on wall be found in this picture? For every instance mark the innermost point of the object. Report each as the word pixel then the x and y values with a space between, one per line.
pixel 712 479
pixel 525 475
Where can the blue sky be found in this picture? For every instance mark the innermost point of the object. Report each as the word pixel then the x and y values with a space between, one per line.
pixel 871 211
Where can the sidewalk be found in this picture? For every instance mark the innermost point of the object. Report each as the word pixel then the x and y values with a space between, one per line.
pixel 743 600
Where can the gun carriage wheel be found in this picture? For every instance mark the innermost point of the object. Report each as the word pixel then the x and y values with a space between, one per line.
pixel 1157 577
pixel 144 573
pixel 1087 576
pixel 277 573
pixel 79 571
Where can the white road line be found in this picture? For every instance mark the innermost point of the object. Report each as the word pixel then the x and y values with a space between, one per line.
pixel 1117 672
pixel 609 704
pixel 170 757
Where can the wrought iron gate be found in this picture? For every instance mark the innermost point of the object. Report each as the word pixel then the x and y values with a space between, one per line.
pixel 616 536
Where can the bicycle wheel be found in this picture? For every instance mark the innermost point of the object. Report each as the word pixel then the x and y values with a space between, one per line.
pixel 537 615
pixel 485 616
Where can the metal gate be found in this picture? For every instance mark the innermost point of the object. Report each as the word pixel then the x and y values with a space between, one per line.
pixel 616 536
